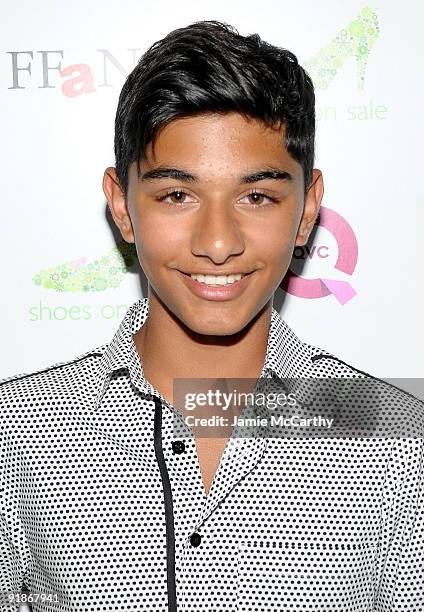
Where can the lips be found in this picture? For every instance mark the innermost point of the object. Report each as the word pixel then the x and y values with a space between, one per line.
pixel 216 273
pixel 216 293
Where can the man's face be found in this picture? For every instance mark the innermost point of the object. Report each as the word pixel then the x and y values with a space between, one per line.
pixel 220 215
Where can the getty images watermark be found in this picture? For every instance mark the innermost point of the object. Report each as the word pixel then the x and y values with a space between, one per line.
pixel 296 407
pixel 225 402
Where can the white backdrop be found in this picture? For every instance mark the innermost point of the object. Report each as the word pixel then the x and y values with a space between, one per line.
pixel 62 67
pixel 57 139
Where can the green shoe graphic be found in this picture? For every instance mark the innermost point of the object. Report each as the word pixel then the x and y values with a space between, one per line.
pixel 356 40
pixel 98 275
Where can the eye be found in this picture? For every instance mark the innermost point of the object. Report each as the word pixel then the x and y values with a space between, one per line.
pixel 258 199
pixel 176 197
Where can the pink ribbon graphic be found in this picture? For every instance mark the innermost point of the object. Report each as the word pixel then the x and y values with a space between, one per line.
pixel 347 246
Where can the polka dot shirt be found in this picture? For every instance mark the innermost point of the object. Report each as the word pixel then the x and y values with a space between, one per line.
pixel 103 507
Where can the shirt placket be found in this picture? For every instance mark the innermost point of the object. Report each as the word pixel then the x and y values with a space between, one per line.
pixel 188 496
pixel 196 516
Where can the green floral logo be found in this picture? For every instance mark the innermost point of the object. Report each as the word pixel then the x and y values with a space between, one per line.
pixel 104 273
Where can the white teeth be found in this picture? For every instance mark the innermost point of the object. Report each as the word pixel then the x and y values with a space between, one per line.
pixel 210 279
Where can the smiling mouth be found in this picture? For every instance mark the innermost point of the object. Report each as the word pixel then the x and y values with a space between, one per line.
pixel 217 280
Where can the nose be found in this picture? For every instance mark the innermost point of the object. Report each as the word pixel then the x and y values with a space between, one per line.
pixel 217 233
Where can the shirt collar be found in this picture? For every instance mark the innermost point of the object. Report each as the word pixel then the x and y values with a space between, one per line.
pixel 286 355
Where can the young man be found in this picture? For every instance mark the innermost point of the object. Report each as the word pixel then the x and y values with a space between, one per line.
pixel 103 507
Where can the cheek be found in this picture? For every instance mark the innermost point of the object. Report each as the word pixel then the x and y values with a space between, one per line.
pixel 161 239
pixel 157 239
pixel 277 243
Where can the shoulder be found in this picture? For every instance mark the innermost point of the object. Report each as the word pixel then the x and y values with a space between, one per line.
pixel 400 412
pixel 49 386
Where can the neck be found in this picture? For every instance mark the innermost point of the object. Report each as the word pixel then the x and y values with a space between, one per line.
pixel 164 339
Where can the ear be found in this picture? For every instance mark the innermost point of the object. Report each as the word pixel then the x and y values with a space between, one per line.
pixel 311 207
pixel 117 204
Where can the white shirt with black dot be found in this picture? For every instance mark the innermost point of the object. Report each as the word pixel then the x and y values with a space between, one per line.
pixel 103 508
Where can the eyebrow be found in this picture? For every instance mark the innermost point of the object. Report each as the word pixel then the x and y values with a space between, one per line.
pixel 181 175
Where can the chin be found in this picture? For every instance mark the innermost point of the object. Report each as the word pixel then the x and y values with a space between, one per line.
pixel 221 325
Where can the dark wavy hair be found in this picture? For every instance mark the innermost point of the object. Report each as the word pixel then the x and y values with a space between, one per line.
pixel 209 67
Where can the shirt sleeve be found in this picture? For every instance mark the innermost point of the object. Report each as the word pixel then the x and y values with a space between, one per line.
pixel 12 539
pixel 402 580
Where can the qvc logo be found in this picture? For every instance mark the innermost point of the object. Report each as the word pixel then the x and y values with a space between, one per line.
pixel 347 258
pixel 304 252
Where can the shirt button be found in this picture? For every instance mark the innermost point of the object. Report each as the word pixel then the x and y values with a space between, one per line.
pixel 178 447
pixel 195 539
